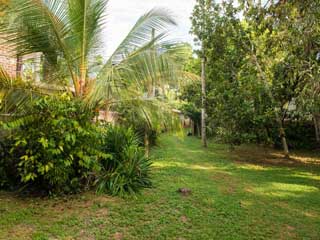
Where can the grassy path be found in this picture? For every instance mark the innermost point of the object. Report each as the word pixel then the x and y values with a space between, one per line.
pixel 228 201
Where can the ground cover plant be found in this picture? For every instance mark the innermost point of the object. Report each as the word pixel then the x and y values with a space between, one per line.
pixel 128 171
pixel 233 197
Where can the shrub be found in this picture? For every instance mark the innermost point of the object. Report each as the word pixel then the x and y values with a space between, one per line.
pixel 129 169
pixel 58 149
pixel 9 176
pixel 55 148
pixel 300 135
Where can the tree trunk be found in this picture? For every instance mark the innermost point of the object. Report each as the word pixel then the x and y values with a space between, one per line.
pixel 192 128
pixel 203 109
pixel 154 83
pixel 146 143
pixel 82 81
pixel 316 127
pixel 198 130
pixel 19 66
pixel 283 140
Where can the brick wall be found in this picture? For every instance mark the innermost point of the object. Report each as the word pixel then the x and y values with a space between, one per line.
pixel 8 59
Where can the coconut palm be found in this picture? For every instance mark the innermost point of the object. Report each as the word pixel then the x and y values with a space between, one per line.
pixel 69 33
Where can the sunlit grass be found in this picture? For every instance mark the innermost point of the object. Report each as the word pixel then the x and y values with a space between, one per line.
pixel 231 199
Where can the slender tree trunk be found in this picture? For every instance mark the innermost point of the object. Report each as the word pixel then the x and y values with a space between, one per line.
pixel 146 143
pixel 152 94
pixel 283 139
pixel 154 82
pixel 82 81
pixel 203 109
pixel 19 66
pixel 198 130
pixel 192 128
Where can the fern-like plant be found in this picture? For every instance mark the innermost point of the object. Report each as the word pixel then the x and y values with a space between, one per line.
pixel 129 169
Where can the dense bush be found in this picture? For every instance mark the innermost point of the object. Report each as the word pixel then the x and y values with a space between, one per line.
pixel 129 169
pixel 300 135
pixel 8 162
pixel 54 149
pixel 58 149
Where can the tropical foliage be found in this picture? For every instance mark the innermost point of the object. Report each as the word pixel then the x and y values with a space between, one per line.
pixel 133 81
pixel 57 149
pixel 128 170
pixel 261 69
pixel 69 35
pixel 54 149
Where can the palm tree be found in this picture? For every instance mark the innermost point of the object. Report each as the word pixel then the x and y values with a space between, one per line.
pixel 69 32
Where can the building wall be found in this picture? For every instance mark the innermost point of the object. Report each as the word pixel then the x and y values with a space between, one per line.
pixel 8 59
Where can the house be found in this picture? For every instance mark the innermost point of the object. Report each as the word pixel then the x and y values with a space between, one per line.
pixel 28 66
pixel 186 122
pixel 8 59
pixel 108 116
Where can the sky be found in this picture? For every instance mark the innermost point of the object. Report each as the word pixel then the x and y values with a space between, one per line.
pixel 123 14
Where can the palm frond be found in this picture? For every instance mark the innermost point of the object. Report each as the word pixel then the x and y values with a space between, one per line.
pixel 157 19
pixel 16 94
pixel 60 29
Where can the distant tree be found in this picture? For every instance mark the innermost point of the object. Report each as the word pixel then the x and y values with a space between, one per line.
pixel 201 28
pixel 259 65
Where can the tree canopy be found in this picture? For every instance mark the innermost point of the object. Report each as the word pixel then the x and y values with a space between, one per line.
pixel 262 68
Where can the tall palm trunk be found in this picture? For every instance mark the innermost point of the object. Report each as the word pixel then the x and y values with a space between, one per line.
pixel 82 81
pixel 146 143
pixel 203 99
pixel 83 64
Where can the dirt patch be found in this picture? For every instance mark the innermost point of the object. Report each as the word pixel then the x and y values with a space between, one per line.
pixel 288 232
pixel 184 191
pixel 227 184
pixel 84 235
pixel 117 236
pixel 184 219
pixel 269 156
pixel 82 205
pixel 21 231
pixel 101 213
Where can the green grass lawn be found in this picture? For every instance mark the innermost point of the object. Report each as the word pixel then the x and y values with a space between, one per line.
pixel 230 199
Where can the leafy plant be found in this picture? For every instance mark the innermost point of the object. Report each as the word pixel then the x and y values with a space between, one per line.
pixel 57 146
pixel 68 33
pixel 8 162
pixel 129 169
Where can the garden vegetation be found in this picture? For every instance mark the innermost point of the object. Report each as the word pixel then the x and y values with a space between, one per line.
pixel 51 139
